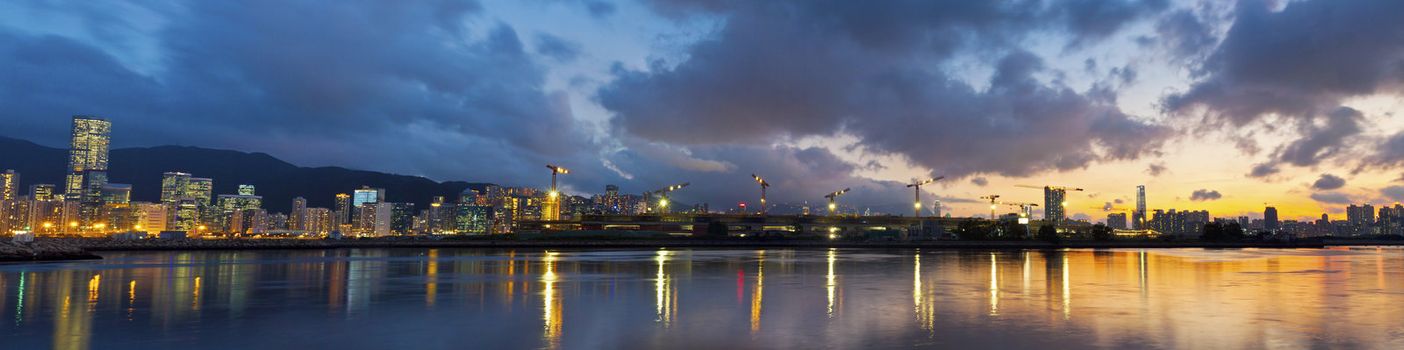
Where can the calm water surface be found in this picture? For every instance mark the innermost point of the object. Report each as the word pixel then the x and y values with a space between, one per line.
pixel 489 299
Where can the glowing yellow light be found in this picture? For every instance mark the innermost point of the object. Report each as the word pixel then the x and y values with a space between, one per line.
pixel 1065 203
pixel 992 207
pixel 833 236
pixel 201 227
pixel 48 224
pixel 916 205
pixel 99 225
pixel 832 206
pixel 663 202
pixel 137 227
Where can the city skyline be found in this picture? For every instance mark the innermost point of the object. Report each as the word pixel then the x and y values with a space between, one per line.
pixel 1161 94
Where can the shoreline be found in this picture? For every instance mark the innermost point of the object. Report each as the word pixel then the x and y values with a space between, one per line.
pixel 199 244
pixel 62 249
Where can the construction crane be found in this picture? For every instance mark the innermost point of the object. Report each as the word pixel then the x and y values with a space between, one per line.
pixel 763 186
pixel 1025 209
pixel 916 206
pixel 551 211
pixel 994 203
pixel 663 196
pixel 833 207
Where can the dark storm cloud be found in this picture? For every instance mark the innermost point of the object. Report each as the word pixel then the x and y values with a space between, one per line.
pixel 1390 153
pixel 1185 34
pixel 1321 142
pixel 1331 197
pixel 1300 61
pixel 980 181
pixel 1202 195
pixel 1328 182
pixel 786 70
pixel 382 86
pixel 1299 64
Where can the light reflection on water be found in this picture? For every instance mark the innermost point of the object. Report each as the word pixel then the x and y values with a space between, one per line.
pixel 835 298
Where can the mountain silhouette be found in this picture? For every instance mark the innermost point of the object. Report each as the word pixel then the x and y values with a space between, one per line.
pixel 274 179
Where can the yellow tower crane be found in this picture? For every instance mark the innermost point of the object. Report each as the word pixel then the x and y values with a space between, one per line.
pixel 833 207
pixel 551 209
pixel 916 206
pixel 763 186
pixel 663 201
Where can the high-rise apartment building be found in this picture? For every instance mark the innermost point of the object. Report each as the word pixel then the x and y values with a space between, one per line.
pixel 1270 222
pixel 1138 217
pixel 297 220
pixel 1054 210
pixel 343 209
pixel 1116 221
pixel 9 185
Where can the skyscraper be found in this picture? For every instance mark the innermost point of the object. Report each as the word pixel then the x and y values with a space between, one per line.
pixel 87 155
pixel 1138 218
pixel 1270 219
pixel 343 210
pixel 9 185
pixel 1053 198
pixel 298 218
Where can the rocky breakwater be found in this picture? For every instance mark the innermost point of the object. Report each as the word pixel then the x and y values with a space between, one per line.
pixel 11 251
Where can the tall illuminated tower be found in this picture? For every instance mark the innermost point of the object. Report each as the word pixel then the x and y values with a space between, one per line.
pixel 1138 218
pixel 343 210
pixel 87 154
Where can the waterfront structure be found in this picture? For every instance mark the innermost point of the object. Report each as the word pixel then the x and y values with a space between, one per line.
pixel 1187 223
pixel 150 217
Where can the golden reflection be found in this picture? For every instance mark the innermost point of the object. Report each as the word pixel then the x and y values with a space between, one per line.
pixel 93 285
pixel 663 291
pixel 1027 270
pixel 829 284
pixel 994 285
pixel 512 274
pixel 925 308
pixel 1142 274
pixel 550 302
pixel 431 288
pixel 1067 290
pixel 195 296
pixel 131 292
pixel 72 325
pixel 758 293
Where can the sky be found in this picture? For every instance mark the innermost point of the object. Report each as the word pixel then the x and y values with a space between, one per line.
pixel 1216 105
